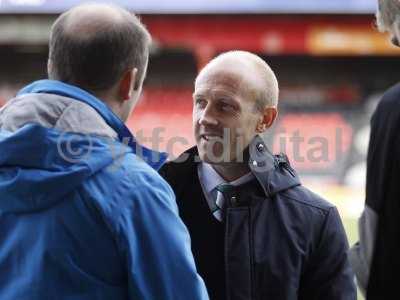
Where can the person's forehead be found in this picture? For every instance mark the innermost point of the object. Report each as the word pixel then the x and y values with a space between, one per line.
pixel 223 80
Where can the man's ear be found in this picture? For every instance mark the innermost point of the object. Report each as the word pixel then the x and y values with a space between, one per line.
pixel 267 119
pixel 49 67
pixel 127 83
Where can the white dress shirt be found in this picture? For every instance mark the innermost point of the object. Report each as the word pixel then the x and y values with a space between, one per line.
pixel 210 179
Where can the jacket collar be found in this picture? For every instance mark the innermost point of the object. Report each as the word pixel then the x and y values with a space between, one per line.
pixel 153 158
pixel 273 172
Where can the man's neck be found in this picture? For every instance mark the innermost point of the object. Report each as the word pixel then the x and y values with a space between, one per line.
pixel 231 171
pixel 109 99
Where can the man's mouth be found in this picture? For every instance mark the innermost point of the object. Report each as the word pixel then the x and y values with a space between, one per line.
pixel 209 137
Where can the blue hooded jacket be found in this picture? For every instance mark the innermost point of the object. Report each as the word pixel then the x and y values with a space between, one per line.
pixel 83 216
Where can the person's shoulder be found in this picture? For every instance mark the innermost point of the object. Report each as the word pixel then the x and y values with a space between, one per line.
pixel 393 91
pixel 138 174
pixel 126 192
pixel 311 212
pixel 128 180
pixel 306 199
pixel 387 111
pixel 391 97
pixel 181 167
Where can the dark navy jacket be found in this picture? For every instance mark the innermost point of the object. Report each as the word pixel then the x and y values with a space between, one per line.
pixel 278 241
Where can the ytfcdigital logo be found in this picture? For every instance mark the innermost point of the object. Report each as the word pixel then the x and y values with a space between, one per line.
pixel 76 148
pixel 314 149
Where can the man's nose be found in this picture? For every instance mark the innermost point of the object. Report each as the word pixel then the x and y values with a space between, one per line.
pixel 207 117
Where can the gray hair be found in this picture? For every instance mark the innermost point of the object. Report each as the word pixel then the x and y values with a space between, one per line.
pixel 387 15
pixel 95 59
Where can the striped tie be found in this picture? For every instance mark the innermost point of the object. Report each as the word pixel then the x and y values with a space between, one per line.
pixel 218 211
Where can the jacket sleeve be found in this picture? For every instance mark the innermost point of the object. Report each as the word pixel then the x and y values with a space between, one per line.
pixel 155 245
pixel 328 275
pixel 361 252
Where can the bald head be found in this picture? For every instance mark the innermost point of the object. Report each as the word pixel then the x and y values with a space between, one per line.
pixel 90 19
pixel 92 45
pixel 255 75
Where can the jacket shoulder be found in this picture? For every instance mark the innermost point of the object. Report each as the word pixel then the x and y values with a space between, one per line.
pixel 389 103
pixel 125 184
pixel 132 173
pixel 302 196
pixel 392 94
pixel 177 171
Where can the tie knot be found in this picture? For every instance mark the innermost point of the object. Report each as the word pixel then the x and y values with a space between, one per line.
pixel 220 202
pixel 225 188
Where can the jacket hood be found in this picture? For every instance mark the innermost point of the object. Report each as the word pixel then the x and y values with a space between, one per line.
pixel 35 175
pixel 53 137
pixel 53 87
pixel 273 172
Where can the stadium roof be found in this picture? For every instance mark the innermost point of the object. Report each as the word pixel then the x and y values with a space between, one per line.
pixel 202 6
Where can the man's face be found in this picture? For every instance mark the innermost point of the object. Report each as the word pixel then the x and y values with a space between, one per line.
pixel 395 32
pixel 385 23
pixel 224 115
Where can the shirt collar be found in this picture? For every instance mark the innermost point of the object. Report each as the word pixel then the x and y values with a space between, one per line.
pixel 211 179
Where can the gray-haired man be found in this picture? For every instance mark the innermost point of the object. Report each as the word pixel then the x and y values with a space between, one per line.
pixel 375 258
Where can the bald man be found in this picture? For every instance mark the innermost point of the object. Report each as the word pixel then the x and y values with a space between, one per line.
pixel 82 216
pixel 256 232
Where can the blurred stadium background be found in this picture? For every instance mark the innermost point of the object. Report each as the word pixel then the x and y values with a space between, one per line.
pixel 331 63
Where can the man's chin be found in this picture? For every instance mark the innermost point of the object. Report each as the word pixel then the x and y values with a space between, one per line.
pixel 209 161
pixel 204 157
pixel 213 159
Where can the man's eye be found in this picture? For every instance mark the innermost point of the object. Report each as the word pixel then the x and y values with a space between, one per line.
pixel 200 102
pixel 227 107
